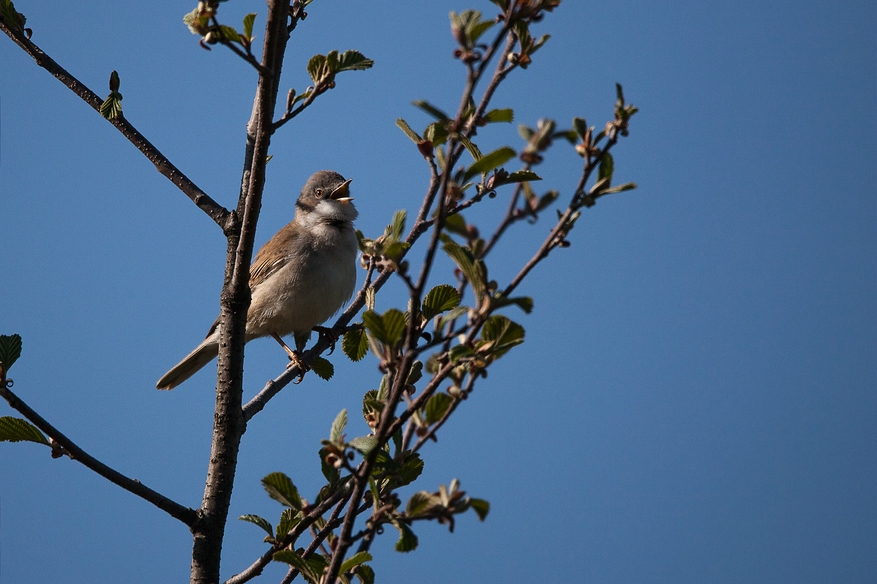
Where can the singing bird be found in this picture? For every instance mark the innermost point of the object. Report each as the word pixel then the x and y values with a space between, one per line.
pixel 300 277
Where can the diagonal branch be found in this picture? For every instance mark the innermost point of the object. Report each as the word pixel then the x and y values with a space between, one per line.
pixel 220 215
pixel 172 508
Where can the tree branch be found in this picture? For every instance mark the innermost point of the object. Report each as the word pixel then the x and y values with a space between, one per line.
pixel 220 215
pixel 172 508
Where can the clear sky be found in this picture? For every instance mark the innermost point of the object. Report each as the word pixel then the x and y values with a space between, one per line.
pixel 697 396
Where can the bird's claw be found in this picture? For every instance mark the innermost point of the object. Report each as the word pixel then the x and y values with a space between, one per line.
pixel 296 361
pixel 327 333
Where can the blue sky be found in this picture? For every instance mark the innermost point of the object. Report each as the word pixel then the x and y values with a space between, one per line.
pixel 696 398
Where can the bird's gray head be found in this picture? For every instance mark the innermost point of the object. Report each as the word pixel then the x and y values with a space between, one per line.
pixel 326 198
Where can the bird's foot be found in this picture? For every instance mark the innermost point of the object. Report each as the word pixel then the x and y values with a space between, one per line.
pixel 327 333
pixel 295 360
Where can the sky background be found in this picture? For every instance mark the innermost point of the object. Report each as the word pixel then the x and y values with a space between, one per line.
pixel 697 396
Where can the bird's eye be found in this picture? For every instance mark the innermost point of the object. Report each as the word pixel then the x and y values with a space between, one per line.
pixel 319 193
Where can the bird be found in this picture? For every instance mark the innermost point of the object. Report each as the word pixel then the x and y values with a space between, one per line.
pixel 301 276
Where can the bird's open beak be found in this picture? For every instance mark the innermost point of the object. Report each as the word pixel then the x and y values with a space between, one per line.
pixel 341 194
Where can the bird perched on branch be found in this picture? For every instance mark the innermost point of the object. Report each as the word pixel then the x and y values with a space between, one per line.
pixel 300 277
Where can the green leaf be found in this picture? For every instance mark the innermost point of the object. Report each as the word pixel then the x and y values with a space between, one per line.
pixel 18 430
pixel 311 569
pixel 407 539
pixel 619 189
pixel 525 303
pixel 10 350
pixel 403 125
pixel 437 406
pixel 353 561
pixel 260 521
pixel 111 108
pixel 364 444
pixel 470 146
pixel 421 503
pixel 437 133
pixel 580 126
pixel 410 469
pixel 387 328
pixel 415 373
pixel 521 176
pixel 607 166
pixel 317 68
pixel 355 344
pixel 353 61
pixel 398 224
pixel 490 161
pixel 453 315
pixel 249 19
pixel 481 508
pixel 288 519
pixel 500 115
pixel 525 132
pixel 473 269
pixel 476 30
pixel 228 33
pixel 335 435
pixel 323 368
pixel 501 334
pixel 441 298
pixel 281 489
pixel 431 110
pixel 365 574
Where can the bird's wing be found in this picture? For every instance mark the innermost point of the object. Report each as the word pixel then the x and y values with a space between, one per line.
pixel 272 256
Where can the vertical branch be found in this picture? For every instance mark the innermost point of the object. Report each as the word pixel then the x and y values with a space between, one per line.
pixel 228 421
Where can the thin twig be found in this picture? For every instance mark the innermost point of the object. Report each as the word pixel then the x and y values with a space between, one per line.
pixel 172 508
pixel 220 215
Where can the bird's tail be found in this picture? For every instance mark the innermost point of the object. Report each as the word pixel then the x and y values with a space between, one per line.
pixel 194 361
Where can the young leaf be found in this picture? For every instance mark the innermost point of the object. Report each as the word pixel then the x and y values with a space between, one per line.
pixel 473 269
pixel 111 108
pixel 490 161
pixel 421 503
pixel 580 126
pixel 521 176
pixel 607 166
pixel 501 334
pixel 288 519
pixel 353 561
pixel 431 110
pixel 364 444
pixel 249 19
pixel 335 435
pixel 18 430
pixel 365 574
pixel 619 189
pixel 388 328
pixel 281 489
pixel 441 298
pixel 398 224
pixel 500 115
pixel 481 508
pixel 410 470
pixel 453 315
pixel 323 368
pixel 470 146
pixel 437 406
pixel 407 539
pixel 403 125
pixel 355 344
pixel 10 350
pixel 317 68
pixel 415 373
pixel 260 521
pixel 353 61
pixel 310 572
